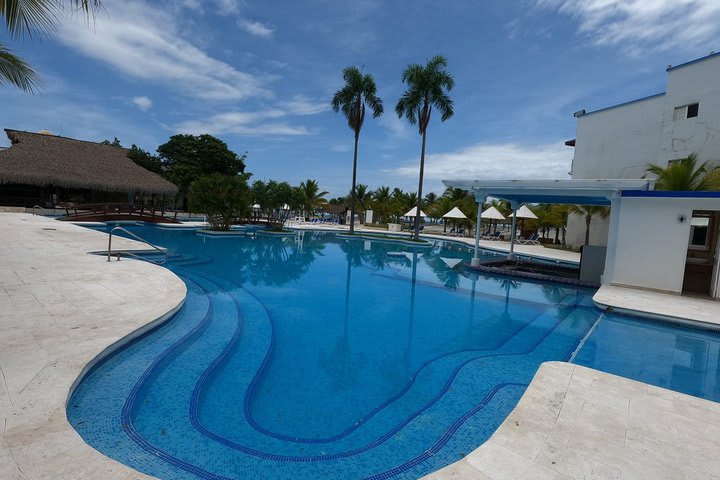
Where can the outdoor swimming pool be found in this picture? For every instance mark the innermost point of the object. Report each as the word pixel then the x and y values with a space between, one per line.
pixel 320 357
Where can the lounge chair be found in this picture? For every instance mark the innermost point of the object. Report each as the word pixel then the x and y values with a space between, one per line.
pixel 531 240
pixel 451 232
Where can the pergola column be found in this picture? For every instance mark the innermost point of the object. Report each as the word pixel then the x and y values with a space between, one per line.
pixel 480 198
pixel 514 206
pixel 607 276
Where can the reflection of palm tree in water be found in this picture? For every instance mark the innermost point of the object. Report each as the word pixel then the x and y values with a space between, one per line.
pixel 450 277
pixel 341 364
pixel 411 317
pixel 277 261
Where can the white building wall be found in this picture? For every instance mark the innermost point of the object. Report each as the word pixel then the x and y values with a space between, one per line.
pixel 619 142
pixel 652 242
pixel 576 230
pixel 697 82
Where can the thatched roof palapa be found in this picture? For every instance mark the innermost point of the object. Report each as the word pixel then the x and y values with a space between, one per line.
pixel 43 159
pixel 334 209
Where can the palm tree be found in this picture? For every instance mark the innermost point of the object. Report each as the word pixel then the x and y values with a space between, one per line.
pixel 455 194
pixel 358 91
pixel 430 198
pixel 313 197
pixel 26 17
pixel 363 195
pixel 428 87
pixel 589 211
pixel 382 201
pixel 686 175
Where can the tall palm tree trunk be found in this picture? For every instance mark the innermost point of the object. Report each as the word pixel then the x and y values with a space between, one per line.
pixel 352 192
pixel 416 235
pixel 588 219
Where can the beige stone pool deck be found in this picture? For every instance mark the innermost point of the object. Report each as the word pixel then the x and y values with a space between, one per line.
pixel 60 308
pixel 668 306
pixel 577 423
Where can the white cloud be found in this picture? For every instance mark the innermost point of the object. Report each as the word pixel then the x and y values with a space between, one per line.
pixel 228 7
pixel 302 105
pixel 256 28
pixel 341 147
pixel 145 42
pixel 396 127
pixel 262 124
pixel 641 25
pixel 493 161
pixel 143 103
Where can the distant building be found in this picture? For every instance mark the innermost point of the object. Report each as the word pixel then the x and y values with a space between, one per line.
pixel 48 170
pixel 621 140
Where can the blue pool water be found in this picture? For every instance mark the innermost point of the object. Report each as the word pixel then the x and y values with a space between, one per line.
pixel 320 357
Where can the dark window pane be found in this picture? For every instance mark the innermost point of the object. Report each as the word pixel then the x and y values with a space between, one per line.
pixel 692 110
pixel 699 236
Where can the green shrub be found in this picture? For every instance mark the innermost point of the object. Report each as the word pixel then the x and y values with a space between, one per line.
pixel 225 199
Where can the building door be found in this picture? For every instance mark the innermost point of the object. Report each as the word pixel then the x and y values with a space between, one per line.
pixel 701 273
pixel 715 282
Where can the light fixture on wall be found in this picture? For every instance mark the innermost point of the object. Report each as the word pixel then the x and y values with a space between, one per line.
pixel 681 218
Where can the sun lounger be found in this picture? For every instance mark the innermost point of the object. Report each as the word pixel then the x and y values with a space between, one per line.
pixel 531 240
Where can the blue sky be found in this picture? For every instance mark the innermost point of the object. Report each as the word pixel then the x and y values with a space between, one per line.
pixel 260 76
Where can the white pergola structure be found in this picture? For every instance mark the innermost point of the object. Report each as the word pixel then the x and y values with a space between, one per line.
pixel 573 192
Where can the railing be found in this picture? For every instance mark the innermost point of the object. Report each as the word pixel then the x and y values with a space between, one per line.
pixel 109 252
pixel 33 209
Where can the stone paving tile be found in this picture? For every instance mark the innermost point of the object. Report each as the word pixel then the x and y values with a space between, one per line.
pixel 59 308
pixel 598 426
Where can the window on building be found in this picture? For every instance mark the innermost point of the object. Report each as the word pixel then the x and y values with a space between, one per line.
pixel 686 111
pixel 699 232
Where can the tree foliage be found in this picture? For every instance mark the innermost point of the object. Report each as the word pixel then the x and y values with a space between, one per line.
pixel 277 200
pixel 145 159
pixel 141 157
pixel 189 157
pixel 686 174
pixel 225 199
pixel 313 198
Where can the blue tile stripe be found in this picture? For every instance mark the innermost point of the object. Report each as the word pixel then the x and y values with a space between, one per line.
pixel 128 406
pixel 440 443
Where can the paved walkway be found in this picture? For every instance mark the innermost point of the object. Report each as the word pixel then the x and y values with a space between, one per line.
pixel 577 423
pixel 677 308
pixel 59 309
pixel 502 246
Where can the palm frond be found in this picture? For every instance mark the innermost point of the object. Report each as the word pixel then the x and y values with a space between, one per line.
pixel 28 16
pixel 16 71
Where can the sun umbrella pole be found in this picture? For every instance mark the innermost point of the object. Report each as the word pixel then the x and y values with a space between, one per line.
pixel 511 255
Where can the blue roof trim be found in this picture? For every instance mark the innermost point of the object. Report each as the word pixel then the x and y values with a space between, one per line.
pixel 649 97
pixel 697 60
pixel 669 194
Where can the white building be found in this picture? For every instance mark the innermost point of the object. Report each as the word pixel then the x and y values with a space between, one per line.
pixel 620 141
pixel 658 240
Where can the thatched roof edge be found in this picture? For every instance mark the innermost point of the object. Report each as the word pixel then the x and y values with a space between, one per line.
pixel 43 160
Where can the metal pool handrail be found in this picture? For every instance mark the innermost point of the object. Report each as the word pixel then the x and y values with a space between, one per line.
pixel 164 252
pixel 33 209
